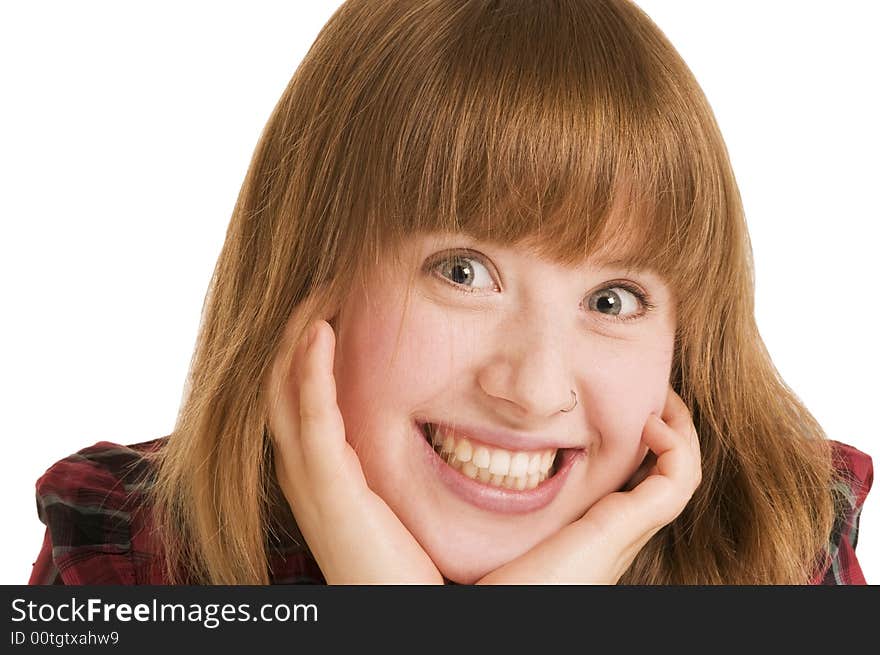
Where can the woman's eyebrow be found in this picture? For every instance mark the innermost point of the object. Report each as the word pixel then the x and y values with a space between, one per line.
pixel 648 274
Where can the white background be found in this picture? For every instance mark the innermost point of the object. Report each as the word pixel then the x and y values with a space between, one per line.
pixel 126 130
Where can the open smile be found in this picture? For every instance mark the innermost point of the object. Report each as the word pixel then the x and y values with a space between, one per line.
pixel 494 478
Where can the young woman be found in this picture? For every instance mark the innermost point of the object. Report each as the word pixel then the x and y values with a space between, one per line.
pixel 484 313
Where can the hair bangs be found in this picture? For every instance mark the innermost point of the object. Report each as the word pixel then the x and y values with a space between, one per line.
pixel 551 123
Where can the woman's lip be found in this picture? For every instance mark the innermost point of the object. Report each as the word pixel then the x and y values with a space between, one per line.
pixel 508 440
pixel 499 499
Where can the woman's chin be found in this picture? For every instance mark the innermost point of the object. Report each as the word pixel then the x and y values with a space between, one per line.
pixel 466 572
pixel 469 565
pixel 465 549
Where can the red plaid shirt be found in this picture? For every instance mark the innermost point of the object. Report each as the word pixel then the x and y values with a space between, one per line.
pixel 98 525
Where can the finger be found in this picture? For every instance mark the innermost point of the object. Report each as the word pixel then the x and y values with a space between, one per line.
pixel 322 431
pixel 670 447
pixel 677 416
pixel 284 415
pixel 284 421
pixel 678 456
pixel 677 471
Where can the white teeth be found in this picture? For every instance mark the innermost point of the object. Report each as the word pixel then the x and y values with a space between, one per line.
pixel 519 464
pixel 493 466
pixel 469 470
pixel 534 464
pixel 500 463
pixel 463 450
pixel 482 457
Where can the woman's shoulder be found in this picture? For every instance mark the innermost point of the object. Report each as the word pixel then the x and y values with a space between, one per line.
pixel 99 465
pixel 92 505
pixel 856 467
pixel 854 475
pixel 99 527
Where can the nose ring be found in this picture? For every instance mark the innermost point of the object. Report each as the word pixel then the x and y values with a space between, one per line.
pixel 574 402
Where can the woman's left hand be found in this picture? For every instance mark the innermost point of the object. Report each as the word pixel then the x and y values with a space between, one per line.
pixel 600 546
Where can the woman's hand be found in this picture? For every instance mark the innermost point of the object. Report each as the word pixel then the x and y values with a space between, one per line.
pixel 601 545
pixel 353 534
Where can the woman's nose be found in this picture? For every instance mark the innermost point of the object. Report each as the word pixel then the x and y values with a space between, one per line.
pixel 529 375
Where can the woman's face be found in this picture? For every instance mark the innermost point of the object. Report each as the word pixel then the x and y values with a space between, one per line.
pixel 484 348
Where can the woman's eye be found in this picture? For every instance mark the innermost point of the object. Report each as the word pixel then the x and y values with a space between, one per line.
pixel 465 271
pixel 617 301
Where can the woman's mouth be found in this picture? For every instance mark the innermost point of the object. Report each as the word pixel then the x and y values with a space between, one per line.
pixel 494 478
pixel 494 466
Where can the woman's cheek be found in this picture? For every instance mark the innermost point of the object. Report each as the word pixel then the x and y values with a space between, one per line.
pixel 433 348
pixel 622 402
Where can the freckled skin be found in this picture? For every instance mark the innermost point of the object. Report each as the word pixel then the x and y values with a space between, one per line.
pixel 502 358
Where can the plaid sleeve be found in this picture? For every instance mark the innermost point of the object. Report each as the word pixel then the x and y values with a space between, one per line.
pixel 84 507
pixel 99 528
pixel 855 476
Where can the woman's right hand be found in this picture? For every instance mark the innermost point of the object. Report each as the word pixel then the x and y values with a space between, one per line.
pixel 352 533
